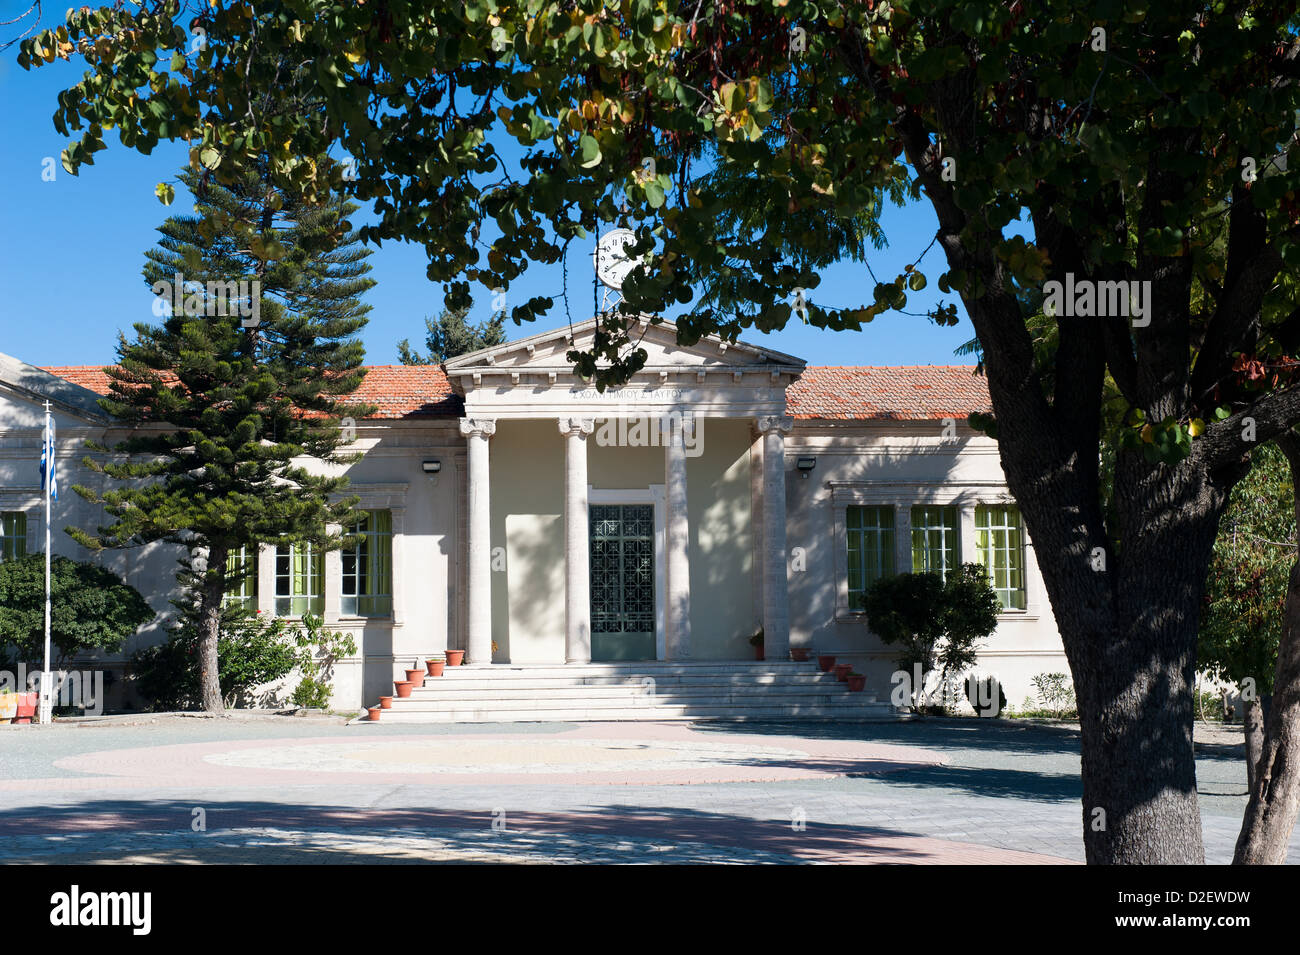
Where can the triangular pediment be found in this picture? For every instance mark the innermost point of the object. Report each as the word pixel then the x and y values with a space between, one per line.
pixel 546 352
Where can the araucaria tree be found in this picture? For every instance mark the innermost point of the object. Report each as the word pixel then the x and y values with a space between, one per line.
pixel 224 406
pixel 450 335
pixel 1105 161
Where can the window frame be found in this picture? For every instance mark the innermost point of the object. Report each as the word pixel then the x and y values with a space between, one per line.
pixel 13 535
pixel 884 549
pixel 295 605
pixel 372 557
pixel 989 550
pixel 949 545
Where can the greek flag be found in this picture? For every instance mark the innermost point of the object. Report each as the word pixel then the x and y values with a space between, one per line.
pixel 47 458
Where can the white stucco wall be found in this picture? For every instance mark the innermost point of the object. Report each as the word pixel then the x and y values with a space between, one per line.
pixel 901 463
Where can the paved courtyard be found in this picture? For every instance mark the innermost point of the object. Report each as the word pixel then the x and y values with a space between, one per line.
pixel 279 789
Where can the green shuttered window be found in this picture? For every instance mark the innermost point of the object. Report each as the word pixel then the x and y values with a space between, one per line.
pixel 871 549
pixel 999 548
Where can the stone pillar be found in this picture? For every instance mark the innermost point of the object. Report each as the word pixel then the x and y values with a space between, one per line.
pixel 478 613
pixel 577 541
pixel 677 538
pixel 776 610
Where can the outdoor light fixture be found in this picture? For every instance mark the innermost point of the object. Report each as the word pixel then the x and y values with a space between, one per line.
pixel 805 465
pixel 431 467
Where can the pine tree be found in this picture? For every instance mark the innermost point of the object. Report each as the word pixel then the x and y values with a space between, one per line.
pixel 221 405
pixel 450 335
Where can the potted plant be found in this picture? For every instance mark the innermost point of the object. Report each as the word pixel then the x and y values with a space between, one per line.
pixel 856 682
pixel 799 654
pixel 385 702
pixel 756 641
pixel 435 665
pixel 416 677
pixel 455 658
pixel 842 671
pixel 824 663
pixel 403 688
pixel 373 714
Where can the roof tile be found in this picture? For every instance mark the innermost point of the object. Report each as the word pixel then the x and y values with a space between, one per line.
pixel 843 392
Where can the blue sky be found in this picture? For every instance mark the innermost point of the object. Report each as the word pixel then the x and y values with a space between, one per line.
pixel 71 253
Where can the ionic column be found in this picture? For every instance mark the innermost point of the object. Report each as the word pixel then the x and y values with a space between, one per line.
pixel 478 609
pixel 776 609
pixel 677 571
pixel 577 541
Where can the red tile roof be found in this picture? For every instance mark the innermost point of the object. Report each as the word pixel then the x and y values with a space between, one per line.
pixel 397 391
pixel 899 392
pixel 903 392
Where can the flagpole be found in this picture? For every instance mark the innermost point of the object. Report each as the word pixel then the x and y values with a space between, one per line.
pixel 47 708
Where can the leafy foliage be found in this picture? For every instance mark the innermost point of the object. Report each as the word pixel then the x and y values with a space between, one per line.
pixel 318 650
pixel 450 335
pixel 1242 614
pixel 250 652
pixel 935 623
pixel 91 608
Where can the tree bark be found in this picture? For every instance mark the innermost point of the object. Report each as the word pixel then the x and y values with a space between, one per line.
pixel 1275 772
pixel 1252 721
pixel 211 593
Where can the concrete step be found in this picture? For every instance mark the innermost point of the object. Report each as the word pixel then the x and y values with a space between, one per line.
pixel 631 668
pixel 492 687
pixel 873 712
pixel 634 692
pixel 670 683
pixel 427 704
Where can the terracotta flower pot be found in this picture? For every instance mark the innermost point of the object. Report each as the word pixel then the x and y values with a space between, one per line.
pixel 455 658
pixel 403 688
pixel 799 654
pixel 825 663
pixel 435 667
pixel 373 714
pixel 842 671
pixel 385 702
pixel 856 683
pixel 416 677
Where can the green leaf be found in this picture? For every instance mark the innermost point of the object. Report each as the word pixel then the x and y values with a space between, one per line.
pixel 589 150
pixel 165 193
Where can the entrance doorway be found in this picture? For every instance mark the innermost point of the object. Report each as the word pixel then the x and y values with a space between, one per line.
pixel 622 581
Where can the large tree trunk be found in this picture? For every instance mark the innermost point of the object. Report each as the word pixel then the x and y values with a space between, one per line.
pixel 1275 773
pixel 211 593
pixel 1128 623
pixel 1252 722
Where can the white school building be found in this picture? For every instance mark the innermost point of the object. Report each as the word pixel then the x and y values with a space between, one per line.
pixel 571 538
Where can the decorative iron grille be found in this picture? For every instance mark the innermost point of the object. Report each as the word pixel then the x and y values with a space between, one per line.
pixel 622 568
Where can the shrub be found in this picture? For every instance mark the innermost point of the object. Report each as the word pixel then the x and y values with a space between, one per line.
pixel 936 623
pixel 250 652
pixel 91 608
pixel 318 650
pixel 980 693
pixel 1056 694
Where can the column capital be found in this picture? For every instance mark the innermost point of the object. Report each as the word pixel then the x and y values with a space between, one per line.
pixel 581 427
pixel 481 427
pixel 783 424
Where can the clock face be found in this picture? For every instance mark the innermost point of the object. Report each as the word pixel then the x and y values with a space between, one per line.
pixel 611 258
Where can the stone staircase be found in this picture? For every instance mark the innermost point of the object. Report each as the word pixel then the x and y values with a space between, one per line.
pixel 634 691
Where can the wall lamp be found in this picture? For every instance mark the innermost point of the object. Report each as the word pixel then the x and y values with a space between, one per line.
pixel 805 465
